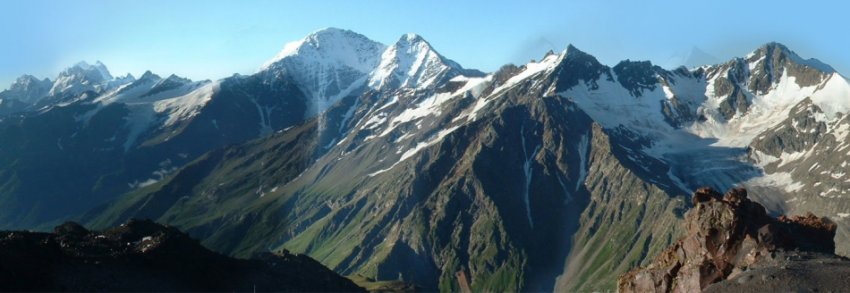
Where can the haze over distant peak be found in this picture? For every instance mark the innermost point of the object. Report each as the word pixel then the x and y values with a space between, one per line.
pixel 691 58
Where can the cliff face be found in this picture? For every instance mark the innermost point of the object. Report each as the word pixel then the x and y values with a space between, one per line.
pixel 145 256
pixel 730 237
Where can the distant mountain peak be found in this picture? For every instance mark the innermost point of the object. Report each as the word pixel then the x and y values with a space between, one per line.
pixel 26 78
pixel 27 89
pixel 575 53
pixel 774 46
pixel 330 45
pixel 327 65
pixel 81 77
pixel 331 32
pixel 412 38
pixel 177 78
pixel 783 52
pixel 412 62
pixel 692 57
pixel 698 57
pixel 121 80
pixel 572 55
pixel 26 81
pixel 85 66
pixel 165 84
pixel 148 75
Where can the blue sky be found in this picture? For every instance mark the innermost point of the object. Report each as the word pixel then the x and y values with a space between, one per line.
pixel 214 39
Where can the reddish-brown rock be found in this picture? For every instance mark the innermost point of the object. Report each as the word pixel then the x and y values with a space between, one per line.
pixel 704 194
pixel 725 235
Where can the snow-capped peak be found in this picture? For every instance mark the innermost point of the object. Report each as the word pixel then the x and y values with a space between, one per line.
pixel 97 66
pixel 327 65
pixel 81 77
pixel 148 76
pixel 747 96
pixel 412 62
pixel 412 38
pixel 121 80
pixel 27 82
pixel 331 45
pixel 173 78
pixel 574 55
pixel 572 50
pixel 779 52
pixel 27 88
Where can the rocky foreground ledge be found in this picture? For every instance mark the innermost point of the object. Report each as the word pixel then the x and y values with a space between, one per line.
pixel 145 256
pixel 733 245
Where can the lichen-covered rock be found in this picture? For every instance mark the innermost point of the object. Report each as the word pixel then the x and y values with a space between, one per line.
pixel 726 234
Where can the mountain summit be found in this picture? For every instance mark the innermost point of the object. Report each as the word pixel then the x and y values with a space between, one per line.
pixel 327 65
pixel 555 175
pixel 333 63
pixel 412 62
pixel 332 46
pixel 81 77
pixel 771 62
pixel 27 89
pixel 394 163
pixel 780 52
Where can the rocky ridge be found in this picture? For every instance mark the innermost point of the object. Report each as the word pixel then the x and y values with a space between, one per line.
pixel 556 175
pixel 731 243
pixel 145 256
pixel 398 183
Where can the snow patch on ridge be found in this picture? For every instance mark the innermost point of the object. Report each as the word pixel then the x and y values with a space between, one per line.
pixel 583 149
pixel 780 180
pixel 433 105
pixel 612 105
pixel 766 110
pixel 429 106
pixel 187 106
pixel 419 147
pixel 531 69
pixel 833 96
pixel 528 172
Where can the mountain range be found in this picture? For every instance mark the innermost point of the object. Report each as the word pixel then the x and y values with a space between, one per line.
pixel 396 163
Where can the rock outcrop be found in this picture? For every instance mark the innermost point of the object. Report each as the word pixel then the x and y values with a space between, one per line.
pixel 730 237
pixel 145 256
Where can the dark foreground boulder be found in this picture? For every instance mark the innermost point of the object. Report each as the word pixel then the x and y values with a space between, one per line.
pixel 145 256
pixel 732 244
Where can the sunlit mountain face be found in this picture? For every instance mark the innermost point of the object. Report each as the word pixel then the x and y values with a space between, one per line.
pixel 392 162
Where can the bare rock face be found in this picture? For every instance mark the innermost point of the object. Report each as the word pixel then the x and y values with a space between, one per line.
pixel 726 235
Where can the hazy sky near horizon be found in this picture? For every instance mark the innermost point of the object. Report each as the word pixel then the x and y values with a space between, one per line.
pixel 214 39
